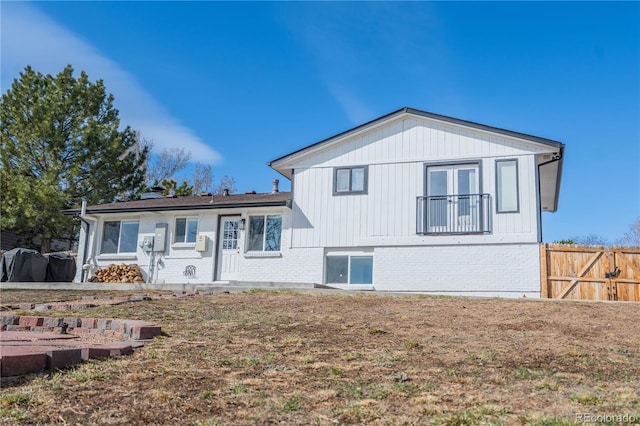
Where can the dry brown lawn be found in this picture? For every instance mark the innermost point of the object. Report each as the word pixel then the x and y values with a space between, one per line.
pixel 307 358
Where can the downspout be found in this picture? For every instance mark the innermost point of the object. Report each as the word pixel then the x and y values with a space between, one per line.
pixel 555 158
pixel 293 171
pixel 85 219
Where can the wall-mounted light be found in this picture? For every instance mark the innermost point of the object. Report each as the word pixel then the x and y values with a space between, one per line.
pixel 241 224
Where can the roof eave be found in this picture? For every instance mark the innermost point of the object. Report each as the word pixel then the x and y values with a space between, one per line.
pixel 280 203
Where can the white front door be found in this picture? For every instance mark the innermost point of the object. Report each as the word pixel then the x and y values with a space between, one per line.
pixel 453 193
pixel 228 248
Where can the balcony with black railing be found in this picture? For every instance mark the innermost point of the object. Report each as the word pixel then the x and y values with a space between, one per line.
pixel 453 214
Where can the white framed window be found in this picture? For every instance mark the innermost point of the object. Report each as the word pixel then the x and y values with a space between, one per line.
pixel 350 180
pixel 507 199
pixel 265 232
pixel 120 236
pixel 349 269
pixel 186 230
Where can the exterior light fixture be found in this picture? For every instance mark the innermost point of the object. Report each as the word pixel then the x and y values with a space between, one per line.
pixel 241 224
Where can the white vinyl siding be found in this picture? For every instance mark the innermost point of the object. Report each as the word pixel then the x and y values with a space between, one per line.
pixel 396 154
pixel 507 186
pixel 412 139
pixel 119 237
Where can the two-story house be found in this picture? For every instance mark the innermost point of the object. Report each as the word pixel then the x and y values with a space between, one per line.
pixel 411 201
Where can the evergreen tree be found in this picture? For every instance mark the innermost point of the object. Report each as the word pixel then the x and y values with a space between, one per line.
pixel 61 143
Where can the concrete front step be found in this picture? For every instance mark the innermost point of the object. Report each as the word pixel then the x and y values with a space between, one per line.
pixel 248 285
pixel 217 285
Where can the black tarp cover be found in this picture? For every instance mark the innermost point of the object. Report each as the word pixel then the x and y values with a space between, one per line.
pixel 23 265
pixel 61 269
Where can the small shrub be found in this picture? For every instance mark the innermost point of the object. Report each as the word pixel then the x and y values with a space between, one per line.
pixel 294 403
pixel 523 373
pixel 407 388
pixel 14 413
pixel 548 386
pixel 352 356
pixel 251 360
pixel 427 387
pixel 292 340
pixel 238 389
pixel 354 389
pixel 206 395
pixel 224 362
pixel 451 372
pixel 14 399
pixel 585 398
pixel 335 371
pixel 411 344
pixel 380 394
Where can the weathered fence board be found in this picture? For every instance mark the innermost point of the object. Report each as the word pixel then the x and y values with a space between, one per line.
pixel 589 273
pixel 627 280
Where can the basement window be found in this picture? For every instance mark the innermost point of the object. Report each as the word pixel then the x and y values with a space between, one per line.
pixel 349 269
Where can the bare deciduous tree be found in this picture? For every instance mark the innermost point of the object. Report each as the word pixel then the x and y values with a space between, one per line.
pixel 202 178
pixel 227 182
pixel 590 240
pixel 167 164
pixel 632 236
pixel 170 161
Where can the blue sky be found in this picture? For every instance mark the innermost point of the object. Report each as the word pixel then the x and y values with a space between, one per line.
pixel 240 84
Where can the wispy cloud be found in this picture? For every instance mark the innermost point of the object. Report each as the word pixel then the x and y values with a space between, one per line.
pixel 29 37
pixel 365 52
pixel 357 111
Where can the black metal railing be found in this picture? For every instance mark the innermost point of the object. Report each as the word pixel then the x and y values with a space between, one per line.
pixel 453 214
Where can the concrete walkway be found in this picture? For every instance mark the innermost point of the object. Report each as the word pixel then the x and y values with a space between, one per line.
pixel 219 286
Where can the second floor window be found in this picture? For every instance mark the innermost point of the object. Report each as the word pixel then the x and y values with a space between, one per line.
pixel 507 186
pixel 350 180
pixel 186 230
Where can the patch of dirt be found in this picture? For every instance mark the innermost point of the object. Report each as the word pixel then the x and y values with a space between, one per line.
pixel 299 358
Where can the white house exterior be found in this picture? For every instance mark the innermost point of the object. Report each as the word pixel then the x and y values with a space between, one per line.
pixel 411 201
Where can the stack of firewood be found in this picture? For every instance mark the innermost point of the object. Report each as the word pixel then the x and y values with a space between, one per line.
pixel 118 274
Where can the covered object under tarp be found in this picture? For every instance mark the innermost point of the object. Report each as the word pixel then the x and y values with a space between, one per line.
pixel 20 265
pixel 61 268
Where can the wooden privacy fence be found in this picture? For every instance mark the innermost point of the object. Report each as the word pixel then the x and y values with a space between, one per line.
pixel 590 273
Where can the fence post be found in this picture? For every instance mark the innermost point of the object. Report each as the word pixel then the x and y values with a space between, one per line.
pixel 544 283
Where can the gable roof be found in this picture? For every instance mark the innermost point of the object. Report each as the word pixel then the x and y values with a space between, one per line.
pixel 406 110
pixel 196 202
